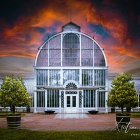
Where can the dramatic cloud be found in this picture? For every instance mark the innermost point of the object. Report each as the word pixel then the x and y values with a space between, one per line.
pixel 114 24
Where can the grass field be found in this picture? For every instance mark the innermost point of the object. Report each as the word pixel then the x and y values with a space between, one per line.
pixel 135 115
pixel 6 134
pixel 4 114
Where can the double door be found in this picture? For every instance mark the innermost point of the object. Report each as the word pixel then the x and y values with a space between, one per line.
pixel 71 102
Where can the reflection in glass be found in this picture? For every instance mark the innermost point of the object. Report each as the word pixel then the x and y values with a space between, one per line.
pixel 86 51
pixel 98 56
pixel 54 76
pixel 99 77
pixel 71 51
pixel 70 75
pixel 87 77
pixel 73 101
pixel 68 101
pixel 89 98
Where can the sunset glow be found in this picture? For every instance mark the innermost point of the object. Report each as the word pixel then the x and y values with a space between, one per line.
pixel 112 23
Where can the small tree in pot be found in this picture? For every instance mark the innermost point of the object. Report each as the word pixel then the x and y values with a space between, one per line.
pixel 13 93
pixel 123 93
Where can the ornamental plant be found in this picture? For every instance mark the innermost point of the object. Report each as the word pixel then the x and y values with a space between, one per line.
pixel 123 93
pixel 13 93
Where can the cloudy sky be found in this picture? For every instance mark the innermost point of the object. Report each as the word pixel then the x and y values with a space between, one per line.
pixel 26 24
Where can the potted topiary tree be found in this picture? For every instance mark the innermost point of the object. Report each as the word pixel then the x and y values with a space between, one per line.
pixel 13 93
pixel 123 95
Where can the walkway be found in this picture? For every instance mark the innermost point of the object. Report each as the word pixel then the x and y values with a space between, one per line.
pixel 49 122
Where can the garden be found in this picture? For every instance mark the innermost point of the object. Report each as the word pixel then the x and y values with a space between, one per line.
pixel 28 125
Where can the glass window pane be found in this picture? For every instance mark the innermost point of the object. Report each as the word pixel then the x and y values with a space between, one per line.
pixel 87 77
pixel 71 50
pixel 86 51
pixel 70 75
pixel 73 101
pixel 68 101
pixel 98 56
pixel 54 77
pixel 55 51
pixel 43 56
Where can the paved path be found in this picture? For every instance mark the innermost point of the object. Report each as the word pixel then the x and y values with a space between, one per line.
pixel 48 122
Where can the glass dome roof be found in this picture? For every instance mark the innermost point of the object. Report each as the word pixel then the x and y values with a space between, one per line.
pixel 70 48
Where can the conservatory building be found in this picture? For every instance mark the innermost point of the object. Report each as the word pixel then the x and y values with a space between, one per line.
pixel 71 73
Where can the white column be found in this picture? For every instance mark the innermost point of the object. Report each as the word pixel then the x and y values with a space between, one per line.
pixel 35 102
pixel 93 53
pixel 82 101
pixel 93 77
pixel 48 77
pixel 45 100
pixel 80 49
pixel 106 98
pixel 48 54
pixel 96 101
pixel 61 49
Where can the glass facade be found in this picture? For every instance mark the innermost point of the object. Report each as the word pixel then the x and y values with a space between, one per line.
pixel 52 98
pixel 55 51
pixel 99 77
pixel 71 61
pixel 71 50
pixel 87 77
pixel 86 51
pixel 41 99
pixel 70 75
pixel 101 99
pixel 99 59
pixel 54 77
pixel 42 77
pixel 89 98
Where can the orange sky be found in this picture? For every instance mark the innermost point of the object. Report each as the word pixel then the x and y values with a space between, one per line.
pixel 105 20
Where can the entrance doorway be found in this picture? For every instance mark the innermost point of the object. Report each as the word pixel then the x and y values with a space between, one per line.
pixel 71 101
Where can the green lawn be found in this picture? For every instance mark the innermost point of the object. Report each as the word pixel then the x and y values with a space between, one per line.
pixel 4 114
pixel 135 115
pixel 6 134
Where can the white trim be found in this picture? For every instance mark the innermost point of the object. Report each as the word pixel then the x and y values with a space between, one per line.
pixel 48 54
pixel 106 99
pixel 45 99
pixel 96 99
pixel 93 53
pixel 80 33
pixel 35 102
pixel 70 81
pixel 61 50
pixel 68 67
pixel 80 50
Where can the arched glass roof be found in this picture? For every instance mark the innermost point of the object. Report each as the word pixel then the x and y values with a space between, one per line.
pixel 70 48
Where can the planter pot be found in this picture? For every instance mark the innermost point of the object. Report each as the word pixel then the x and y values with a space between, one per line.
pixel 28 109
pixel 113 110
pixel 122 120
pixel 49 112
pixel 93 112
pixel 13 121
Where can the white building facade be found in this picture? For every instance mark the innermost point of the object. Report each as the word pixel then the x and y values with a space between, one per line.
pixel 71 73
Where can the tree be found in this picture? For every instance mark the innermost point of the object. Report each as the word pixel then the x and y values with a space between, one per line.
pixel 123 93
pixel 13 93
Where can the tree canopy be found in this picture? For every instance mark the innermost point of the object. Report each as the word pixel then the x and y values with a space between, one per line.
pixel 13 93
pixel 122 93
